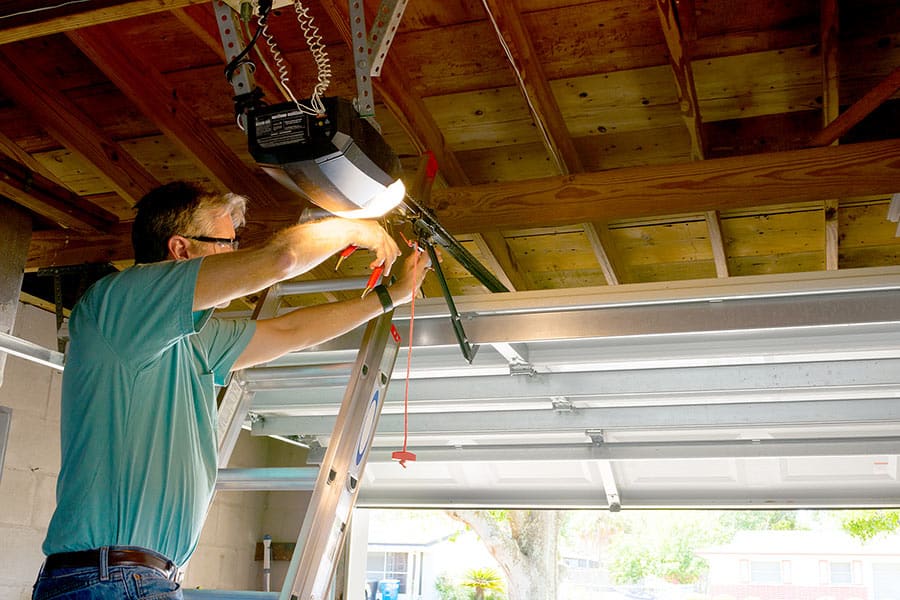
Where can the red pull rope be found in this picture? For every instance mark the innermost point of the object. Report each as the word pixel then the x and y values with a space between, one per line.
pixel 403 455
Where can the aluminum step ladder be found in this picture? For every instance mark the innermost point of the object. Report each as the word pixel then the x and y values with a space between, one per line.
pixel 327 518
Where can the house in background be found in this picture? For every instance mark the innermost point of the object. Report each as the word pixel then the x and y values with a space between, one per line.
pixel 803 565
pixel 414 548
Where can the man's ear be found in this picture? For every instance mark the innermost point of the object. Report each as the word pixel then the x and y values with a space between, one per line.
pixel 178 248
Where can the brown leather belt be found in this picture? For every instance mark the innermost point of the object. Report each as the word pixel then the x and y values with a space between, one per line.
pixel 118 557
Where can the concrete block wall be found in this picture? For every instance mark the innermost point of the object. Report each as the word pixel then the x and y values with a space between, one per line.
pixel 236 522
pixel 28 483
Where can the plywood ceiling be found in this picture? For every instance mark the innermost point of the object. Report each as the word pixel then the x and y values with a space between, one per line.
pixel 580 143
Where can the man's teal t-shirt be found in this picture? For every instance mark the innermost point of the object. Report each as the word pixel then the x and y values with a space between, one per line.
pixel 138 422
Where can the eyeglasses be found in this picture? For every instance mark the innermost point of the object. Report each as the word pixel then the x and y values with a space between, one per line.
pixel 232 243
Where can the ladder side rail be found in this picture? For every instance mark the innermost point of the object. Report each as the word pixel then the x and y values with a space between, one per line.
pixel 337 486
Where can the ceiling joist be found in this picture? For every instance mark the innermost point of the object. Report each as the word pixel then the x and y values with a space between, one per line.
pixel 146 87
pixel 813 174
pixel 73 128
pixel 49 199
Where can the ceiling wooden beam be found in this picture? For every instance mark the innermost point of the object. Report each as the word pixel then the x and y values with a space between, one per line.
pixel 397 92
pixel 49 199
pixel 720 257
pixel 604 249
pixel 139 80
pixel 859 110
pixel 66 16
pixel 529 74
pixel 500 260
pixel 676 18
pixel 73 128
pixel 11 149
pixel 830 44
pixel 813 174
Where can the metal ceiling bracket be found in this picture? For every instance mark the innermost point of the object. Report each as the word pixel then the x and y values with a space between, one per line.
pixel 370 49
pixel 383 30
pixel 561 404
pixel 241 80
pixel 364 95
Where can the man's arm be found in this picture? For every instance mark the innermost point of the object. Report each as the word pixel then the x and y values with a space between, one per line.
pixel 224 277
pixel 306 327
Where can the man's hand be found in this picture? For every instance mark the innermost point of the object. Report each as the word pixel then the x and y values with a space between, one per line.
pixel 415 267
pixel 370 235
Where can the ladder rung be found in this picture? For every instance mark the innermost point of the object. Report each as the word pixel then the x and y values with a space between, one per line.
pixel 317 286
pixel 295 377
pixel 267 479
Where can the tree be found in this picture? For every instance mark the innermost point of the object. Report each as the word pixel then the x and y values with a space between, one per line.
pixel 524 544
pixel 866 524
pixel 663 545
pixel 481 580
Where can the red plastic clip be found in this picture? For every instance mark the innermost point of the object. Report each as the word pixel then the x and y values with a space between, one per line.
pixel 344 254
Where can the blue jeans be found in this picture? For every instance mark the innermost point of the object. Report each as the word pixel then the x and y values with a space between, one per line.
pixel 105 583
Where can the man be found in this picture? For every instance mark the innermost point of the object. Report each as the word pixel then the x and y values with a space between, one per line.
pixel 138 420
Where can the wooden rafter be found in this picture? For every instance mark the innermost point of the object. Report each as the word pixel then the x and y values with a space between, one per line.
pixel 859 110
pixel 720 257
pixel 810 175
pixel 500 260
pixel 676 18
pixel 49 199
pixel 813 174
pixel 601 242
pixel 830 108
pixel 147 88
pixel 74 129
pixel 680 30
pixel 70 16
pixel 535 89
pixel 532 82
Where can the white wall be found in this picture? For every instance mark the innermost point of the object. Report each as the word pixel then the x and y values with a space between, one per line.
pixel 236 521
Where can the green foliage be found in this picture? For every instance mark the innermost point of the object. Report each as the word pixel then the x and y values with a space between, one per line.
pixel 866 524
pixel 663 545
pixel 485 582
pixel 478 584
pixel 757 520
pixel 448 591
pixel 662 548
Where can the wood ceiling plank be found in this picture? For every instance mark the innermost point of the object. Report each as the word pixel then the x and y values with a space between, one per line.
pixel 69 16
pixel 75 129
pixel 529 75
pixel 720 184
pixel 48 199
pixel 147 88
pixel 758 84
